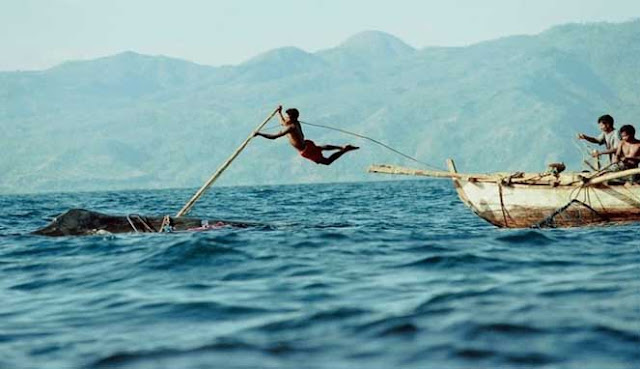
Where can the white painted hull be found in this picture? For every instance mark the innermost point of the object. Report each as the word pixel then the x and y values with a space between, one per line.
pixel 523 200
pixel 526 205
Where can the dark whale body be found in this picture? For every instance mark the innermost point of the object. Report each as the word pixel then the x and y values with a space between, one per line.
pixel 77 222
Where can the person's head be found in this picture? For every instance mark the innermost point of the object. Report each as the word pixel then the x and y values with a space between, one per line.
pixel 627 132
pixel 293 113
pixel 606 123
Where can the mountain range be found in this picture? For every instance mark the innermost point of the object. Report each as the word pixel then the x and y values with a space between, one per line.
pixel 132 121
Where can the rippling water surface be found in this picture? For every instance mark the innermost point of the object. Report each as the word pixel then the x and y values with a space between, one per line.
pixel 376 275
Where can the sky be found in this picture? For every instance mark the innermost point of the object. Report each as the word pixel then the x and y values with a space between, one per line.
pixel 38 34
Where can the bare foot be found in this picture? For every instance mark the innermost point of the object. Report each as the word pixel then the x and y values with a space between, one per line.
pixel 350 148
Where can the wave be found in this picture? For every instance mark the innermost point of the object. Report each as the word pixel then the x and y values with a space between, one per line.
pixel 203 310
pixel 452 261
pixel 306 321
pixel 197 250
pixel 529 237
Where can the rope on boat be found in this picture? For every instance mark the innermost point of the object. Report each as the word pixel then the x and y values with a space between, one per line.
pixel 585 150
pixel 502 207
pixel 602 171
pixel 549 222
pixel 506 181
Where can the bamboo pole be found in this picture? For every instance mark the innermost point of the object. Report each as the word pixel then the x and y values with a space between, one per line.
pixel 612 176
pixel 390 169
pixel 475 177
pixel 598 178
pixel 187 207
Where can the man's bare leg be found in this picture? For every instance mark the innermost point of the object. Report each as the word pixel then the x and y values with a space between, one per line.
pixel 335 156
pixel 330 147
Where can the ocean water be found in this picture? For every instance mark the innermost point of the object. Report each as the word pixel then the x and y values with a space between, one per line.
pixel 364 275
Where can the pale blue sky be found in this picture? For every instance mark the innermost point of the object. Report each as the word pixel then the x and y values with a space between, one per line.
pixel 36 34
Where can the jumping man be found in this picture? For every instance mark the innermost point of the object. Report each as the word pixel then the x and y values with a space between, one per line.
pixel 306 148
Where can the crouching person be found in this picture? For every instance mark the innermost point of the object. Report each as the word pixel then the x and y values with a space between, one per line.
pixel 628 153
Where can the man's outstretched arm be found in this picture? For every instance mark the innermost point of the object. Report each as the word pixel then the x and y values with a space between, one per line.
pixel 597 153
pixel 594 140
pixel 273 136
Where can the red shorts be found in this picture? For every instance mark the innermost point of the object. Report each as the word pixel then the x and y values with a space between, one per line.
pixel 311 152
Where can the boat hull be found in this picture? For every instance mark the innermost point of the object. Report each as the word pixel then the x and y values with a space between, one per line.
pixel 548 199
pixel 524 206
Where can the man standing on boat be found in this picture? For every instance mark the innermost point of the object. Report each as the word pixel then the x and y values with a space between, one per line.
pixel 609 137
pixel 306 148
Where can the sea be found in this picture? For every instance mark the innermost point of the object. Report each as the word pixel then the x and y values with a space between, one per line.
pixel 395 274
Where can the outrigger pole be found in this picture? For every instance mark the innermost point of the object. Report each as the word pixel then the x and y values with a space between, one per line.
pixel 187 207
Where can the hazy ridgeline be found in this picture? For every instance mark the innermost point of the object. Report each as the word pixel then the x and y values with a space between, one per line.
pixel 138 121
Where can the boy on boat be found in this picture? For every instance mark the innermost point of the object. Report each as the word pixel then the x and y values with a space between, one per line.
pixel 608 137
pixel 628 153
pixel 306 148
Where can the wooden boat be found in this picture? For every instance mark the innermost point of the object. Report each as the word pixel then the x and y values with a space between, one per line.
pixel 549 199
pixel 76 222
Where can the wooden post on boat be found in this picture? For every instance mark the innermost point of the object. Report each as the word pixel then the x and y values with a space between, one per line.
pixel 187 207
pixel 451 166
pixel 456 184
pixel 452 169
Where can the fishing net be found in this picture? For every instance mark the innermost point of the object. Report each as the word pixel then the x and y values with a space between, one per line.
pixel 575 213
